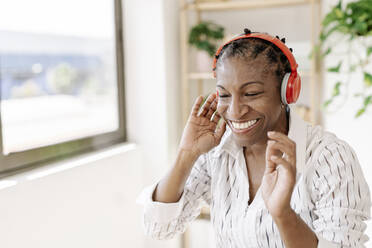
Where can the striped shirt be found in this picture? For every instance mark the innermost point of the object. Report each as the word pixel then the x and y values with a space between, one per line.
pixel 331 195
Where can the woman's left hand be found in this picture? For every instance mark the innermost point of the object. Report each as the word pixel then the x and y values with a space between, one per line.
pixel 280 174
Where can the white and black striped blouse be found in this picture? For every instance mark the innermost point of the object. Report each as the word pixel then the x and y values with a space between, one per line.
pixel 331 195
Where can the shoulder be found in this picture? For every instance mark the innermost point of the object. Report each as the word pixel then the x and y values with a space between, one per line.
pixel 330 160
pixel 322 143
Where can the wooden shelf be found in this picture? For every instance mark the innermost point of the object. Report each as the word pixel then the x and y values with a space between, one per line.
pixel 209 75
pixel 244 5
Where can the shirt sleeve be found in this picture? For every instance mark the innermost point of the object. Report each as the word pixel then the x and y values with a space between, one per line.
pixel 164 220
pixel 341 197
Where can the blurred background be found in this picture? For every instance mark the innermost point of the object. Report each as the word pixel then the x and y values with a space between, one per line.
pixel 95 94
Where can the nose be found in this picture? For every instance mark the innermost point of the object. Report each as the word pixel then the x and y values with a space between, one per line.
pixel 236 109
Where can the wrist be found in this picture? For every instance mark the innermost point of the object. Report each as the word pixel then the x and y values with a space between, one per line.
pixel 188 154
pixel 285 216
pixel 187 157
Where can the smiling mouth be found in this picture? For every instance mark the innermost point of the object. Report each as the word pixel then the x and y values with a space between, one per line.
pixel 240 127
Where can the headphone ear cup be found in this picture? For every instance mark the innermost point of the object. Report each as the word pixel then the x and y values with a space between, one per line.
pixel 291 87
pixel 296 88
pixel 284 88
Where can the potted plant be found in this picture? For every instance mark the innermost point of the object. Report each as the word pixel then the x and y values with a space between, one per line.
pixel 204 36
pixel 351 25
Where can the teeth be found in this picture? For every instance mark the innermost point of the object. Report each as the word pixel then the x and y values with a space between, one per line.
pixel 243 125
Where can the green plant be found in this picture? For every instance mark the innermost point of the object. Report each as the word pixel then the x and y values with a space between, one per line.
pixel 205 35
pixel 350 24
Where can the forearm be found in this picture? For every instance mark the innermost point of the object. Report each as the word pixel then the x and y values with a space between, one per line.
pixel 170 188
pixel 295 232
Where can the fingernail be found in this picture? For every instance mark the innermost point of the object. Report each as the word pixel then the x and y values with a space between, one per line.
pixel 270 133
pixel 274 157
pixel 213 115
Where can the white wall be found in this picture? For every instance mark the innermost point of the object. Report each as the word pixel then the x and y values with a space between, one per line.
pixel 151 45
pixel 89 205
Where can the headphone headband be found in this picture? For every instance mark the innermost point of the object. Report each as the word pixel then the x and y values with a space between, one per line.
pixel 291 83
pixel 274 40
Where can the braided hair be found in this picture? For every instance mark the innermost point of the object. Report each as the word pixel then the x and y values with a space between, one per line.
pixel 251 48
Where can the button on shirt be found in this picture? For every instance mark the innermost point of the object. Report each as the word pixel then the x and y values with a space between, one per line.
pixel 331 195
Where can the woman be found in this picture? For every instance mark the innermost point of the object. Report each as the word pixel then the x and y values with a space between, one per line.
pixel 271 179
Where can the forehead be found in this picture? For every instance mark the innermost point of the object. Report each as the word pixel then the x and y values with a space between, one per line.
pixel 238 71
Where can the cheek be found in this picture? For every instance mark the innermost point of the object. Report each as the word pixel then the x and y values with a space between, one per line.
pixel 263 103
pixel 221 108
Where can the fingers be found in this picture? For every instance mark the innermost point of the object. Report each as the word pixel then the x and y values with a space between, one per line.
pixel 220 131
pixel 282 148
pixel 212 109
pixel 208 109
pixel 278 146
pixel 284 144
pixel 282 138
pixel 270 165
pixel 196 106
pixel 215 117
pixel 205 108
pixel 282 161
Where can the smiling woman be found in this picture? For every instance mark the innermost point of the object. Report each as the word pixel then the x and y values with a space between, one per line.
pixel 270 179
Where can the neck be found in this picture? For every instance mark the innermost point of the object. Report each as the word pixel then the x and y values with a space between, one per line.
pixel 283 123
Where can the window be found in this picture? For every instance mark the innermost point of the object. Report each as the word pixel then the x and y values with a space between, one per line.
pixel 61 79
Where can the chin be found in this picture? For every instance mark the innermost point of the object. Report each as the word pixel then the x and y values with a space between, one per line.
pixel 244 142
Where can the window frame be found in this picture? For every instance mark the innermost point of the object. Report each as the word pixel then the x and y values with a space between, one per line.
pixel 20 161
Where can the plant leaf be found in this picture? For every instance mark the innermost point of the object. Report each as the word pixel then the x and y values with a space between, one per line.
pixel 329 18
pixel 339 4
pixel 336 68
pixel 361 27
pixel 204 36
pixel 326 103
pixel 336 89
pixel 367 79
pixel 328 51
pixel 369 50
pixel 338 13
pixel 360 112
pixel 367 100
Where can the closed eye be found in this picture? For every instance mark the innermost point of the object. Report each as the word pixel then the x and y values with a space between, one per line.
pixel 222 96
pixel 253 94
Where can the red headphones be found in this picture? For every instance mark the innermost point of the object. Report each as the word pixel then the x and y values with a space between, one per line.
pixel 291 84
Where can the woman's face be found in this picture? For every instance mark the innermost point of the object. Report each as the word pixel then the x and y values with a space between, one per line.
pixel 249 99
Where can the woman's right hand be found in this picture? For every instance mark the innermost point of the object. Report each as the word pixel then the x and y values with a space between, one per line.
pixel 200 134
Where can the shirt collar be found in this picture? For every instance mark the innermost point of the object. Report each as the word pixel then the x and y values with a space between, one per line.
pixel 298 129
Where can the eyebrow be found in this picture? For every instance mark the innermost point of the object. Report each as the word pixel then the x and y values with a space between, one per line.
pixel 243 85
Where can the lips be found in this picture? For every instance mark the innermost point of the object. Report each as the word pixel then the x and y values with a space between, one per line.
pixel 243 126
